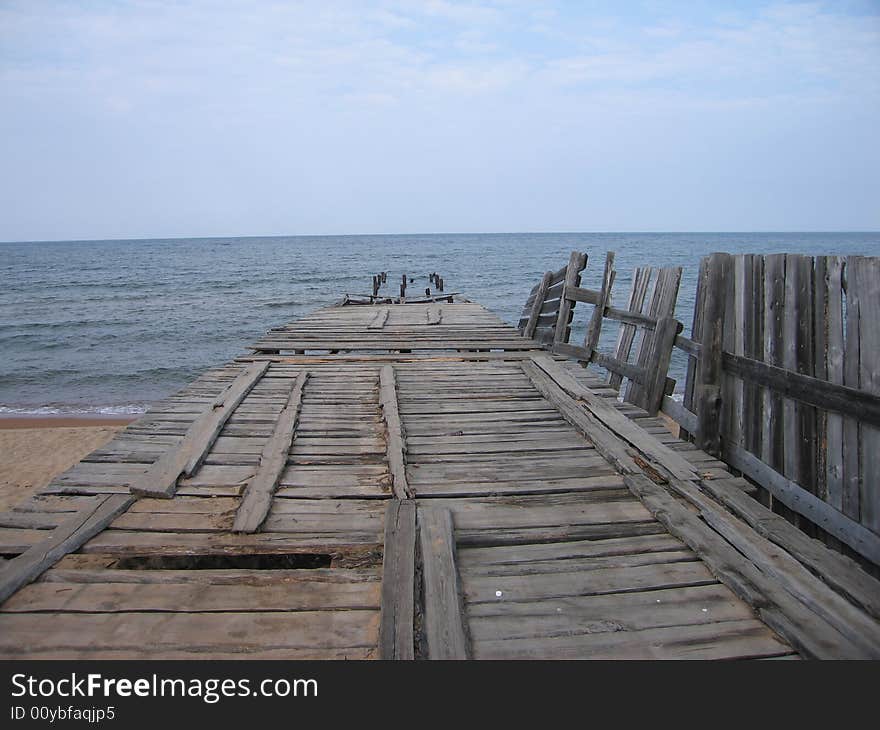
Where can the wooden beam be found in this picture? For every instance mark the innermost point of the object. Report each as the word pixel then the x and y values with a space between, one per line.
pixel 540 296
pixel 379 320
pixel 258 495
pixel 69 536
pixel 808 632
pixel 708 391
pixel 434 314
pixel 576 263
pixel 443 612
pixel 861 404
pixel 394 435
pixel 160 480
pixel 594 328
pixel 612 364
pixel 657 365
pixel 396 634
pixel 792 495
pixel 627 332
pixel 580 397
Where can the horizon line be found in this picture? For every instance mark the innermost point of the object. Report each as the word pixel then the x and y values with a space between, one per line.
pixel 435 233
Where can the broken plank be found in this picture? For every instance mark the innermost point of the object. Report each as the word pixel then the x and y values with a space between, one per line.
pixel 442 611
pixel 161 479
pixel 258 494
pixel 396 440
pixel 67 537
pixel 396 634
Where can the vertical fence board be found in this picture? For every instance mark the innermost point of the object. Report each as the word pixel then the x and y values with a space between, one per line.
pixel 833 271
pixel 594 328
pixel 851 428
pixel 697 336
pixel 627 332
pixel 774 308
pixel 753 346
pixel 732 340
pixel 865 278
pixel 662 305
pixel 576 263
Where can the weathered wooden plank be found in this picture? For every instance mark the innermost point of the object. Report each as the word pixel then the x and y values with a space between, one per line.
pixel 379 320
pixel 396 630
pixel 594 327
pixel 833 322
pixel 576 263
pixel 70 535
pixel 724 640
pixel 396 439
pixel 603 411
pixel 707 404
pixel 657 364
pixel 540 296
pixel 273 460
pixel 785 614
pixel 662 305
pixel 443 620
pixel 806 388
pixel 160 480
pixel 151 634
pixel 851 497
pixel 864 278
pixel 434 314
pixel 839 571
pixel 774 310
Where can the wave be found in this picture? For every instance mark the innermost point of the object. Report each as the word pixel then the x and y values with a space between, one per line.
pixel 128 409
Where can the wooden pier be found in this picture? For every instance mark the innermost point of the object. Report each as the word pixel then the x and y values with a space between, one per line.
pixel 415 480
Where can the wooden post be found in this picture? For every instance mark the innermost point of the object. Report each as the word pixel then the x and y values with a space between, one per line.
pixel 667 330
pixel 440 283
pixel 576 263
pixel 708 391
pixel 540 296
pixel 627 332
pixel 594 329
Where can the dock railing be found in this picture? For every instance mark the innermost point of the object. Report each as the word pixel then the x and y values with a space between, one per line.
pixel 783 377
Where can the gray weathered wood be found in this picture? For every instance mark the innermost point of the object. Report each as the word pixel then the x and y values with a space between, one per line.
pixel 69 536
pixel 658 364
pixel 540 295
pixel 565 390
pixel 864 278
pixel 662 305
pixel 594 327
pixel 273 460
pixel 576 263
pixel 160 480
pixel 396 635
pixel 379 320
pixel 627 332
pixel 798 499
pixel 708 390
pixel 834 374
pixel 785 614
pixel 443 620
pixel 396 439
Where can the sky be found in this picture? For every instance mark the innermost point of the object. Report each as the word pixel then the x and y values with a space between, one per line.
pixel 144 118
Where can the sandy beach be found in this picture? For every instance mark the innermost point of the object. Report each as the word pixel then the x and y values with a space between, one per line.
pixel 35 450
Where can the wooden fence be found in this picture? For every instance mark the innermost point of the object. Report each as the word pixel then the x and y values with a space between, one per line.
pixel 783 381
pixel 647 328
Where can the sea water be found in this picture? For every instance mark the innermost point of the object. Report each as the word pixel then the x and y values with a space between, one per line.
pixel 108 327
